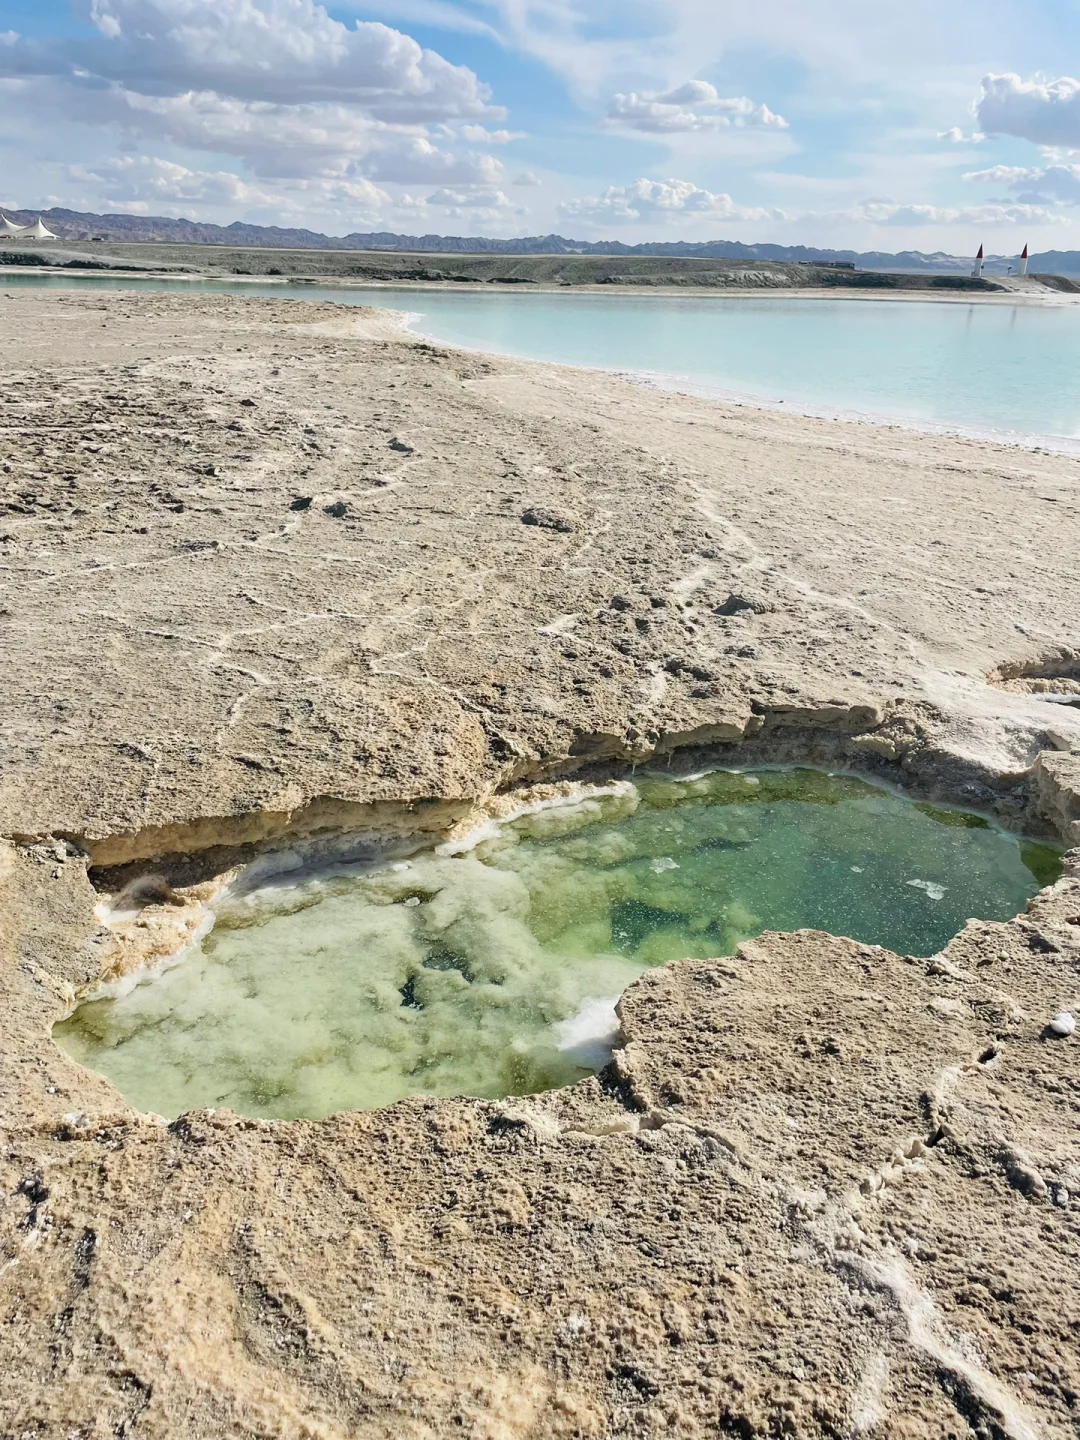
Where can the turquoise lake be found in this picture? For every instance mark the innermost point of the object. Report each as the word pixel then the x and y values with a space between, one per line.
pixel 1010 370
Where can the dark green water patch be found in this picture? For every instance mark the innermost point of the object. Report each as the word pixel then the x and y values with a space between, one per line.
pixel 495 972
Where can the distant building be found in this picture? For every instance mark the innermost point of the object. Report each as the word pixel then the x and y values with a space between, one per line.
pixel 36 231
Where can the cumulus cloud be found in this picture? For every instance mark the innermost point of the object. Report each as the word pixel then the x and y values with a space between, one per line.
pixel 131 180
pixel 145 184
pixel 955 136
pixel 476 207
pixel 279 84
pixel 480 136
pixel 1034 183
pixel 276 141
pixel 465 199
pixel 657 201
pixel 285 51
pixel 1046 112
pixel 887 212
pixel 697 105
pixel 141 184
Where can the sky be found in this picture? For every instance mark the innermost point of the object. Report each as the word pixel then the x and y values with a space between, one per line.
pixel 933 125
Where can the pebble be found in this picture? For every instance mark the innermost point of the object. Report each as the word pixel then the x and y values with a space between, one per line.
pixel 1062 1024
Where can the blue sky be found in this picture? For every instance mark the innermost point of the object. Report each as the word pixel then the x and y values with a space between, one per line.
pixel 940 124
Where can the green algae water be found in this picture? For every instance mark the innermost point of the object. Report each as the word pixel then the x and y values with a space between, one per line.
pixel 495 971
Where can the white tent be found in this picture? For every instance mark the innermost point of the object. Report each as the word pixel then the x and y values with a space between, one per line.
pixel 37 231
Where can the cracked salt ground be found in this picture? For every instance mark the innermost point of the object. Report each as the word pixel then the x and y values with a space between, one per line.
pixel 496 971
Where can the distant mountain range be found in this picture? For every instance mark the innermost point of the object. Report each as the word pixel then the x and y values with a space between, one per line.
pixel 75 225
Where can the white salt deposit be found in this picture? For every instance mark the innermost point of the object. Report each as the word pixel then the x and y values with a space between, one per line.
pixel 933 890
pixel 589 1036
pixel 1063 1023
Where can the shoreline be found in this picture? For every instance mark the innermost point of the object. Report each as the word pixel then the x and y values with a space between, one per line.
pixel 686 385
pixel 664 380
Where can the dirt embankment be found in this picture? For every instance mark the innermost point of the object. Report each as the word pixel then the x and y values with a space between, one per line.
pixel 274 569
pixel 400 267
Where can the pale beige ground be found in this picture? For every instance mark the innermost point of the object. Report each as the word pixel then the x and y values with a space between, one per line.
pixel 823 1191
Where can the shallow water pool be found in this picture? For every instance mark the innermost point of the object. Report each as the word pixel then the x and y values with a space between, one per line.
pixel 495 971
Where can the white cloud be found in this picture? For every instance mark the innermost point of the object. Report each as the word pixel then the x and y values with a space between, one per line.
pixel 275 141
pixel 526 178
pixel 843 48
pixel 887 212
pixel 696 105
pixel 1058 182
pixel 478 135
pixel 139 184
pixel 131 181
pixel 1044 112
pixel 658 201
pixel 142 185
pixel 956 136
pixel 1002 174
pixel 278 84
pixel 466 199
pixel 288 52
pixel 477 207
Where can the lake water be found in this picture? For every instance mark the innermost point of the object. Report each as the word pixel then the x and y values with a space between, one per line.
pixel 496 971
pixel 1009 370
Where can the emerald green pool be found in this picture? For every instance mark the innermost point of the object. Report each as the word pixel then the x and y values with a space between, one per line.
pixel 495 972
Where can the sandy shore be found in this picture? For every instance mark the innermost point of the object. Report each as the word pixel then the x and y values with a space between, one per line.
pixel 272 570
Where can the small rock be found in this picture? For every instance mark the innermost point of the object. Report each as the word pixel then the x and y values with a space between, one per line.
pixel 1062 1024
pixel 302 502
pixel 1021 1173
pixel 736 604
pixel 338 509
pixel 546 519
